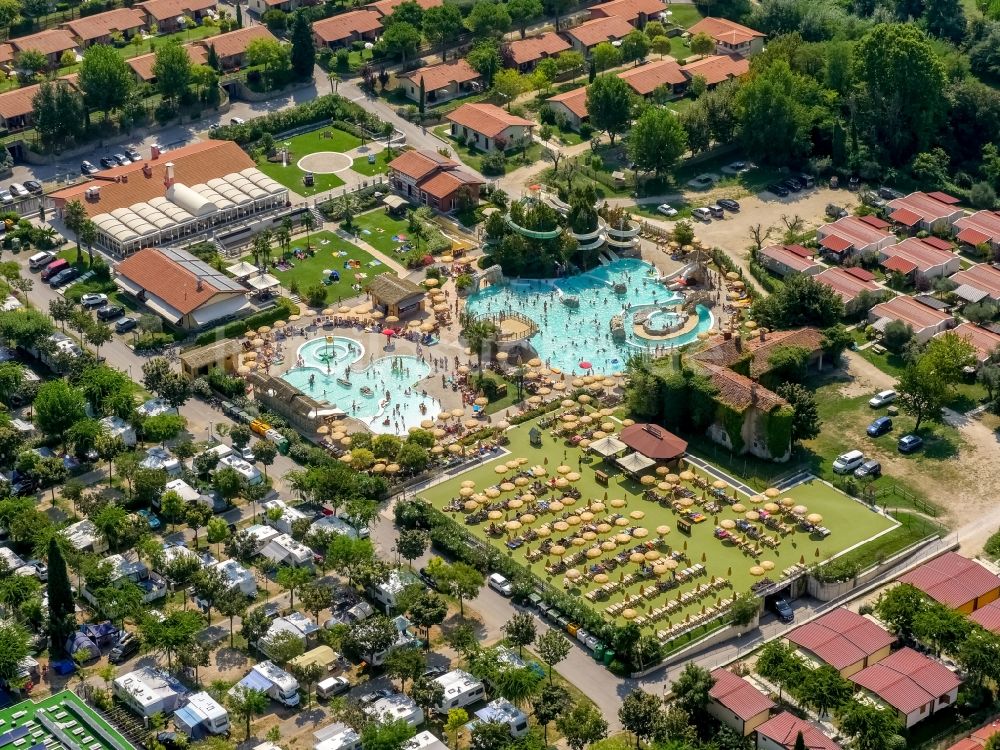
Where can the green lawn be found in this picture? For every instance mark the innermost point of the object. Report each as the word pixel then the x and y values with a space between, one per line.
pixel 850 522
pixel 969 393
pixel 308 272
pixel 382 159
pixel 315 141
pixel 378 229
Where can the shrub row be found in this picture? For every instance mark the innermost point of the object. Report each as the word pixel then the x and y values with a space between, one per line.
pixel 326 108
pixel 281 311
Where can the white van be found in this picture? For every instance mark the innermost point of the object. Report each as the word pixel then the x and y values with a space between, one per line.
pixel 848 462
pixel 40 260
pixel 332 686
pixel 702 214
pixel 500 584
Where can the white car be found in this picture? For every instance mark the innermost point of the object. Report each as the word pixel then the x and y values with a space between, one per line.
pixel 666 209
pixel 882 398
pixel 94 300
pixel 17 189
pixel 500 584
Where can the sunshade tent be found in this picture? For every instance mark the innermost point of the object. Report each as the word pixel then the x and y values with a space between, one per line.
pixel 607 447
pixel 634 463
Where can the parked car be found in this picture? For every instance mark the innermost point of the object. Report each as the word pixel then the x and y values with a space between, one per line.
pixel 247 454
pixel 150 517
pixel 87 168
pixel 837 212
pixel 428 579
pixel 910 443
pixel 271 610
pixel 882 398
pixel 845 463
pixel 110 312
pixel 125 324
pixel 870 468
pixel 729 204
pixel 133 153
pixel 5 197
pixel 702 214
pixel 41 569
pixel 889 194
pixel 666 209
pixel 793 184
pixel 500 584
pixel 779 190
pixel 122 160
pixel 127 646
pixel 107 162
pixel 18 190
pixel 375 695
pixel 716 211
pixel 807 180
pixel 33 186
pixel 64 277
pixel 332 686
pixel 93 299
pixel 879 427
pixel 782 609
pixel 433 672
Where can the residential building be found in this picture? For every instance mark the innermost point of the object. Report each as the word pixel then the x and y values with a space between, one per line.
pixel 260 7
pixel 730 38
pixel 200 189
pixel 978 228
pixel 149 691
pixel 781 731
pixel 930 257
pixel 956 582
pixel 441 83
pixel 83 536
pixel 101 28
pixel 925 321
pixel 487 127
pixel 17 106
pixel 983 340
pixel 978 282
pixel 849 283
pixel 340 30
pixel 284 550
pixel 636 12
pixel 396 707
pixel 589 34
pixel 182 289
pixel 231 47
pixel 716 69
pixel 570 106
pixel 168 15
pixel 142 65
pixel 786 259
pixel 429 179
pixel 502 711
pixel 915 685
pixel 928 211
pixel 525 54
pixel 845 640
pixel 736 703
pixel 978 739
pixel 664 76
pixel 52 43
pixel 854 235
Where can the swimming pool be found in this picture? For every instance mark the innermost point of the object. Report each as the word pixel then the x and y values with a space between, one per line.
pixel 382 394
pixel 568 334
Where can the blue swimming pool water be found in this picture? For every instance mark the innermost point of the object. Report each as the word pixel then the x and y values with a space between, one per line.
pixel 568 335
pixel 328 373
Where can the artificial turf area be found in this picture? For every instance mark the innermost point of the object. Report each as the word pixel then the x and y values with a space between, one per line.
pixel 330 256
pixel 850 523
pixel 80 723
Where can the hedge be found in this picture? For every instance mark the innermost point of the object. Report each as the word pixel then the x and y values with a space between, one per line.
pixel 281 311
pixel 765 278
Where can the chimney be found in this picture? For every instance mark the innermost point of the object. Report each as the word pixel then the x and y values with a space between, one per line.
pixel 147 170
pixel 753 392
pixel 169 179
pixel 154 152
pixel 198 286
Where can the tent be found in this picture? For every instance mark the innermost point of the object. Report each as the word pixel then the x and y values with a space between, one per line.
pixel 102 633
pixel 262 282
pixel 634 463
pixel 608 447
pixel 242 269
pixel 80 642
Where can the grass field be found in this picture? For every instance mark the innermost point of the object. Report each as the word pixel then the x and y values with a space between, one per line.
pixel 850 522
pixel 474 157
pixel 310 271
pixel 323 139
pixel 382 159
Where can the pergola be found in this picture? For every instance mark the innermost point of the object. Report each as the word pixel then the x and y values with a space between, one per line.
pixel 653 442
pixel 635 463
pixel 608 447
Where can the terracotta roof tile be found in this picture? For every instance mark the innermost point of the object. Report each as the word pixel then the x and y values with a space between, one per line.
pixel 342 26
pixel 487 119
pixel 899 264
pixel 48 42
pixel 981 276
pixel 784 729
pixel 718 68
pixel 846 284
pixel 446 182
pixel 236 42
pixel 534 48
pixel 629 10
pixel 575 101
pixel 788 256
pixel 724 30
pixel 726 353
pixel 95 27
pixel 441 75
pixel 164 9
pixel 913 313
pixel 920 254
pixel 986 223
pixel 645 79
pixel 386 7
pixel 928 207
pixel 738 695
pixel 907 680
pixel 175 285
pixel 740 392
pixel 600 30
pixel 841 637
pixel 20 102
pixel 419 164
pixel 951 579
pixel 984 340
pixel 143 64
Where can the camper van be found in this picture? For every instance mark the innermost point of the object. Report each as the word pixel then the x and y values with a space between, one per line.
pixel 460 689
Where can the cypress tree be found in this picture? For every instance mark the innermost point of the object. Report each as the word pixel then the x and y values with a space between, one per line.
pixel 62 617
pixel 212 58
pixel 423 96
pixel 800 742
pixel 239 16
pixel 303 47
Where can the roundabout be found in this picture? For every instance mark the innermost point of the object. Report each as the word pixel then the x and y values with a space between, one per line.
pixel 324 162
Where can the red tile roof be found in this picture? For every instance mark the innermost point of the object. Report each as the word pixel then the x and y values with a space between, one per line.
pixel 645 79
pixel 419 164
pixel 102 24
pixel 343 26
pixel 836 244
pixel 725 31
pixel 20 102
pixel 236 42
pixel 841 637
pixel 52 41
pixel 164 9
pixel 653 442
pixel 739 696
pixel 929 207
pixel 855 231
pixel 951 579
pixel 740 392
pixel 860 273
pixel 629 10
pixel 442 75
pixel 846 284
pixel 987 616
pixel 535 48
pixel 794 257
pixel 158 275
pixel 143 64
pixel 436 175
pixel 911 312
pixel 386 7
pixel 487 119
pixel 718 68
pixel 920 254
pixel 972 236
pixel 726 353
pixel 981 276
pixel 907 680
pixel 899 264
pixel 874 221
pixel 600 30
pixel 447 181
pixel 905 216
pixel 784 729
pixel 984 223
pixel 575 101
pixel 983 340
pixel 943 197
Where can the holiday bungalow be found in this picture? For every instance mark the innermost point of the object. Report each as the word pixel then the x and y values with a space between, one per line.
pixel 340 30
pixel 102 28
pixel 168 15
pixel 570 107
pixel 957 582
pixel 429 179
pixel 925 321
pixel 844 640
pixel 716 69
pixel 736 703
pixel 782 731
pixel 978 282
pixel 17 106
pixel 979 228
pixel 487 127
pixel 525 54
pixel 786 259
pixel 441 83
pixel 983 340
pixel 636 12
pixel 912 684
pixel 589 34
pixel 394 296
pixel 854 235
pixel 664 75
pixel 143 65
pixel 927 211
pixel 930 257
pixel 849 283
pixel 386 7
pixel 231 47
pixel 730 37
pixel 52 43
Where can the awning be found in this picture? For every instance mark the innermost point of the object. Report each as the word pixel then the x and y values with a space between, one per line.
pixel 899 264
pixel 242 269
pixel 835 244
pixel 970 293
pixel 972 236
pixel 905 216
pixel 262 282
pixel 609 446
pixel 161 308
pixel 653 441
pixel 881 324
pixel 633 463
pixel 395 201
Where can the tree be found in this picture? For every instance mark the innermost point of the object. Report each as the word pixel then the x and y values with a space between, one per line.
pixel 457 718
pixel 485 59
pixel 898 76
pixel 477 333
pixel 520 631
pixel 442 25
pixel 872 727
pixel 411 544
pixel 702 44
pixel 246 703
pixel 307 674
pixel 400 40
pixel 508 85
pixel 897 608
pixel 774 113
pixel 57 407
pixel 801 301
pixel 605 56
pixel 10 11
pixel 291 579
pixel 231 602
pixel 14 649
pixel 97 335
pixel 176 632
pixel 609 101
pixel 172 506
pixel 265 452
pixel 426 611
pixel 105 80
pixel 691 689
pixel 635 47
pixel 31 62
pixel 227 482
pixel 74 214
pixel 172 68
pixel 523 11
pixel 427 693
pixel 552 647
pixel 552 702
pixel 640 713
pixel 254 625
pixel 806 421
pixel 657 140
pixel 371 636
pixel 459 579
pixel 303 47
pixel 62 604
pixel 922 392
pixel 490 735
pixel 583 725
pixel 404 664
pixel 272 56
pixel 824 689
pixel 488 19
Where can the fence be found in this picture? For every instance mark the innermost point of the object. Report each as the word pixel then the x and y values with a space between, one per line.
pixel 922 505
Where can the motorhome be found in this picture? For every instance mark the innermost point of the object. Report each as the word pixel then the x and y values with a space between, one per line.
pixel 337 736
pixel 394 707
pixel 502 711
pixel 149 691
pixel 460 689
pixel 273 680
pixel 201 716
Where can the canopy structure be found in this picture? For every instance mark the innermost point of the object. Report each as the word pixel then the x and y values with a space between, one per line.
pixel 262 282
pixel 395 201
pixel 242 269
pixel 634 463
pixel 607 447
pixel 653 442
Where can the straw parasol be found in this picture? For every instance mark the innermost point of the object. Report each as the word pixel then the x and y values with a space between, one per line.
pixel 589 536
pixel 466 492
pixel 528 518
pixel 671 564
pixel 560 526
pixel 573 520
pixel 814 518
pixel 638 515
pixel 617 503
pixel 593 552
pixel 623 538
pixel 686 502
pixel 562 483
pixel 640 533
pixel 652 555
pixel 437 449
pixel 512 525
pixel 752 515
pixel 494 515
pixel 515 503
pixel 243 370
pixel 467 483
pixel 757 499
pixel 672 478
pixel 767 565
pixel 500 469
pixel 586 516
pixel 555 506
pixel 739 507
pixel 628 422
pixel 756 570
pixel 629 614
pixel 687 476
pixel 719 484
pixel 597 506
pixel 538 471
pixel 772 492
pixel 659 569
pixel 603 528
pixel 600 577
pixel 621 522
pixel 727 523
pixel 521 482
pixel 573 574
pixel 647 479
pixel 534 362
pixel 637 557
pixel 608 545
pixel 492 492
pixel 563 469
pixel 584 398
pixel 573 476
pixel 557 549
pixel 772 507
pixel 380 468
pixel 799 510
pixel 787 502
pixel 662 530
pixel 507 487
